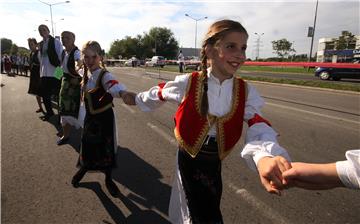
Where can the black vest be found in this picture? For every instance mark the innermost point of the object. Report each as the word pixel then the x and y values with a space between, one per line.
pixel 71 62
pixel 51 51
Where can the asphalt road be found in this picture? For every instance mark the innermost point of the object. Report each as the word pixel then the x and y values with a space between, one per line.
pixel 314 126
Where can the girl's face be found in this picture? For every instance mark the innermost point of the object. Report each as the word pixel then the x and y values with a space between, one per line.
pixel 227 56
pixel 67 40
pixel 91 59
pixel 32 46
pixel 44 32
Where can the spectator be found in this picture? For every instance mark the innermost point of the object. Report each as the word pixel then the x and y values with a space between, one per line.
pixel 181 60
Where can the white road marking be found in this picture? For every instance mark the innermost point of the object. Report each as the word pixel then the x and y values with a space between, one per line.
pixel 128 108
pixel 259 205
pixel 313 113
pixel 163 134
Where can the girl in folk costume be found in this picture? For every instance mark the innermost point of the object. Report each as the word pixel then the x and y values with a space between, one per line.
pixel 34 63
pixel 208 123
pixel 69 97
pixel 98 140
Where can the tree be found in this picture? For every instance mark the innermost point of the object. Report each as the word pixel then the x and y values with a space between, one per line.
pixel 282 47
pixel 346 41
pixel 159 41
pixel 162 42
pixel 14 49
pixel 5 45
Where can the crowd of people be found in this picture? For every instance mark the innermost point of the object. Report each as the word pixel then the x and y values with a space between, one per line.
pixel 213 105
pixel 16 64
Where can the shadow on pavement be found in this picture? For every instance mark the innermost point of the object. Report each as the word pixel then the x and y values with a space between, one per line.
pixel 137 215
pixel 75 134
pixel 144 181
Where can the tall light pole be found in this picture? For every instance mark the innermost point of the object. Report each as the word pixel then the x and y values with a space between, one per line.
pixel 50 5
pixel 196 20
pixel 62 19
pixel 313 30
pixel 258 44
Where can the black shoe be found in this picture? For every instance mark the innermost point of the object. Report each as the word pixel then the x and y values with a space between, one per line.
pixel 112 188
pixel 62 141
pixel 77 177
pixel 47 117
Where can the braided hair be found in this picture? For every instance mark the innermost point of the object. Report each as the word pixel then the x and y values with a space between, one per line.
pixel 95 47
pixel 216 33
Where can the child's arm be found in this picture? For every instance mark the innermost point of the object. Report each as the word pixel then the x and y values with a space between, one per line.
pixel 156 96
pixel 112 86
pixel 313 176
pixel 326 176
pixel 262 151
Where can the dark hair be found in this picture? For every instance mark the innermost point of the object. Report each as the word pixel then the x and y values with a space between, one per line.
pixel 216 32
pixel 70 33
pixel 44 26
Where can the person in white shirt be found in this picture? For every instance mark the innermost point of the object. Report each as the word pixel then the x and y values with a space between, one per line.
pixel 208 123
pixel 50 57
pixel 326 176
pixel 181 60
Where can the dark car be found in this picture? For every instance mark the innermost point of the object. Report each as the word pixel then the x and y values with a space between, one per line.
pixel 337 73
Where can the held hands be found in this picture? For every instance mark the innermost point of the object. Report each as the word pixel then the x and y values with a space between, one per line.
pixel 313 176
pixel 277 174
pixel 271 173
pixel 128 97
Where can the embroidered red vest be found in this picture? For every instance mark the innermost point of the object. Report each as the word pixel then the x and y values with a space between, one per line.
pixel 191 128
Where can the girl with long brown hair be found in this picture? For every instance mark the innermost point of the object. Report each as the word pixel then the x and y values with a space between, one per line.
pixel 98 140
pixel 213 104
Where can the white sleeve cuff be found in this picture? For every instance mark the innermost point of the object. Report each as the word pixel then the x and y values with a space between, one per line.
pixel 347 175
pixel 256 150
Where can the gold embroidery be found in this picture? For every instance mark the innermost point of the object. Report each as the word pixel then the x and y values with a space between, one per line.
pixel 221 120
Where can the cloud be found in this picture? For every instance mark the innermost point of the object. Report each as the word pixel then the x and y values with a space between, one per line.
pixel 108 20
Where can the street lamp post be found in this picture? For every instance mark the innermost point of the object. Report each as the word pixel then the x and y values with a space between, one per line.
pixel 313 30
pixel 258 44
pixel 62 19
pixel 51 17
pixel 196 20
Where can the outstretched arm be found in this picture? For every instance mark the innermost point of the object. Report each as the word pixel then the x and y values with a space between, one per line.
pixel 313 176
pixel 262 151
pixel 325 176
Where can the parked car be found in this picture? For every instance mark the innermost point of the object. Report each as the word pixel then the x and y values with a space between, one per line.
pixel 192 63
pixel 337 73
pixel 132 62
pixel 156 61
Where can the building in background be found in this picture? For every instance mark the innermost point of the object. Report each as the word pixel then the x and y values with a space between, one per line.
pixel 190 52
pixel 327 52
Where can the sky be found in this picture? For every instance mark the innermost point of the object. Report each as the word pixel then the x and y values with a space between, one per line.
pixel 109 20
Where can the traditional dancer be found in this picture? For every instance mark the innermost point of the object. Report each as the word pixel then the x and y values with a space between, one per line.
pixel 34 84
pixel 50 58
pixel 69 97
pixel 208 123
pixel 98 141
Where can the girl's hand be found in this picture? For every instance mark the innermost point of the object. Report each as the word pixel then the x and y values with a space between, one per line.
pixel 128 97
pixel 270 172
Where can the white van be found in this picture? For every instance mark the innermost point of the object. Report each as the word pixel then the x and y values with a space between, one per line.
pixel 156 61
